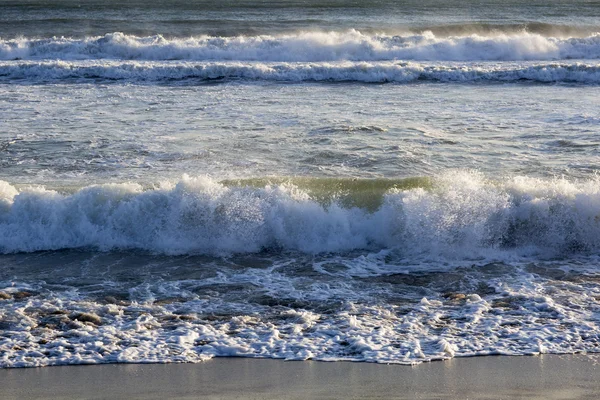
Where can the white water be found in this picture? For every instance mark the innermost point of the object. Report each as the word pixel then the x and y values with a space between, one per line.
pixel 351 45
pixel 463 214
pixel 49 71
pixel 336 317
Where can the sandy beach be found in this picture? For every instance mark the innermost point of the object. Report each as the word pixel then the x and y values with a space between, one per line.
pixel 543 377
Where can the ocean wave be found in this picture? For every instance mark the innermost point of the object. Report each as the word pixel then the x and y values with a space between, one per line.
pixel 458 214
pixel 562 31
pixel 351 45
pixel 376 72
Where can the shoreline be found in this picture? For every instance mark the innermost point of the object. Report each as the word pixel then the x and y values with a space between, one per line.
pixel 485 377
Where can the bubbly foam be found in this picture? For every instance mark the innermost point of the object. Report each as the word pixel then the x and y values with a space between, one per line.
pixel 308 47
pixel 50 71
pixel 513 313
pixel 462 215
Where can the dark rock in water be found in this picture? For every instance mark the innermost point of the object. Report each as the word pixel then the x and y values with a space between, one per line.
pixel 170 300
pixel 512 302
pixel 22 295
pixel 5 296
pixel 454 296
pixel 75 324
pixel 187 317
pixel 217 317
pixel 271 301
pixel 483 289
pixel 86 317
pixel 179 317
pixel 54 321
pixel 117 301
pixel 497 303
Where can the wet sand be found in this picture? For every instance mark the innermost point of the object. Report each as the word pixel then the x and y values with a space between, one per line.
pixel 543 377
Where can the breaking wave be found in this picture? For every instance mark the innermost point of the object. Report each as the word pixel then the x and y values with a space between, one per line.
pixel 456 214
pixel 374 72
pixel 351 45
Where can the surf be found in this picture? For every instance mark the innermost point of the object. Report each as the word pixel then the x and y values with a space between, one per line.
pixel 360 72
pixel 309 46
pixel 451 215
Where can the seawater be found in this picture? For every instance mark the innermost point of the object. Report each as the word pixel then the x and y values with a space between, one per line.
pixel 382 181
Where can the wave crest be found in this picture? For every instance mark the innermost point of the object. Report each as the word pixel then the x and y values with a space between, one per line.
pixel 461 215
pixel 51 71
pixel 351 45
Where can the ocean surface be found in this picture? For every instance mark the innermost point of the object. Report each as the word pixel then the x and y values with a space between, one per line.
pixel 380 181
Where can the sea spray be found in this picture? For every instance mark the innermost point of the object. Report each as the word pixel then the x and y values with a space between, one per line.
pixel 459 215
pixel 351 45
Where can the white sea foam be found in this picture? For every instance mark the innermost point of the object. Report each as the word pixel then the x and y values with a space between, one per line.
pixel 523 315
pixel 308 47
pixel 49 71
pixel 463 215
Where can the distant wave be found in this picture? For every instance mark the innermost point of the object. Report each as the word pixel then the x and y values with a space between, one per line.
pixel 516 28
pixel 133 71
pixel 459 214
pixel 309 47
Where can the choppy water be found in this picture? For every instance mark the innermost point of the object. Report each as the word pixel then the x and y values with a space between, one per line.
pixel 386 182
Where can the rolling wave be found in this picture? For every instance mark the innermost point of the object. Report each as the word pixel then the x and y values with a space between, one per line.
pixel 459 214
pixel 351 45
pixel 376 72
pixel 483 28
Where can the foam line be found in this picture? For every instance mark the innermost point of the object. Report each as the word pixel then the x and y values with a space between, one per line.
pixel 53 71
